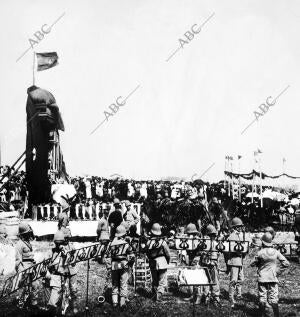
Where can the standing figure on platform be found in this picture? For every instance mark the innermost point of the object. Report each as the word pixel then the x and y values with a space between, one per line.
pixel 266 262
pixel 102 230
pixel 25 259
pixel 215 211
pixel 131 218
pixel 115 218
pixel 159 259
pixel 235 262
pixel 103 227
pixel 120 264
pixel 63 219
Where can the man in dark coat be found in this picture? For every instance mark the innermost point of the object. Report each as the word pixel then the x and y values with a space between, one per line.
pixel 115 218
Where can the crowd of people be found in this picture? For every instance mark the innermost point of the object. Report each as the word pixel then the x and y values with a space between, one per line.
pixel 167 202
pixel 170 210
pixel 113 228
pixel 15 189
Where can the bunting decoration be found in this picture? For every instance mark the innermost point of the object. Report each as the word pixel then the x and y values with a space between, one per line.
pixel 212 245
pixel 139 245
pixel 289 250
pixel 25 277
pixel 255 173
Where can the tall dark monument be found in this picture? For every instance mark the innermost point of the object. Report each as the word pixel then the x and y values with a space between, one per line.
pixel 44 161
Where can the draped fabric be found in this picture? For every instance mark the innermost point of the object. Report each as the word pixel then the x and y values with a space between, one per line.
pixel 43 116
pixel 255 173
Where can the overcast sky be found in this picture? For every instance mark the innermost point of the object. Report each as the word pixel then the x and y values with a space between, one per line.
pixel 187 113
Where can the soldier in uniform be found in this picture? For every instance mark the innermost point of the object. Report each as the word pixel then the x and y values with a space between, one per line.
pixel 193 260
pixel 266 261
pixel 159 259
pixel 63 218
pixel 103 227
pixel 215 210
pixel 115 218
pixel 235 262
pixel 120 263
pixel 61 274
pixel 25 258
pixel 210 259
pixel 131 218
pixel 271 230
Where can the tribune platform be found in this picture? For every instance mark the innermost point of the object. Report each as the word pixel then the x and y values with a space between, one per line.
pixel 79 229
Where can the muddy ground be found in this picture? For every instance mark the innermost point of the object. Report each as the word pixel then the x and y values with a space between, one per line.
pixel 141 304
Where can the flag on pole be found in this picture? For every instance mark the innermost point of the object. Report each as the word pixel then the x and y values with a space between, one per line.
pixel 46 60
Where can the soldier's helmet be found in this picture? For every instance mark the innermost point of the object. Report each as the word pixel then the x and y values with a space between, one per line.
pixel 127 203
pixel 267 239
pixel 120 231
pixel 215 200
pixel 59 236
pixel 191 229
pixel 116 201
pixel 24 228
pixel 156 229
pixel 270 230
pixel 210 230
pixel 236 222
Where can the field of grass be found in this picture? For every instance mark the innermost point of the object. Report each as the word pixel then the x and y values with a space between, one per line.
pixel 141 304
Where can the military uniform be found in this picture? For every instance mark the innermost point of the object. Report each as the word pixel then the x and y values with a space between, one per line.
pixel 61 274
pixel 193 259
pixel 210 259
pixel 131 218
pixel 267 280
pixel 159 258
pixel 235 264
pixel 115 219
pixel 120 263
pixel 63 222
pixel 25 258
pixel 103 229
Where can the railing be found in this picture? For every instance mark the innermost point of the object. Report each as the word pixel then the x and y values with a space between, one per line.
pixel 81 212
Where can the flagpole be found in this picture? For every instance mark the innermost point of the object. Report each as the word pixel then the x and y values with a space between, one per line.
pixel 239 180
pixel 228 179
pixel 232 180
pixel 225 176
pixel 252 187
pixel 33 66
pixel 261 197
pixel 253 179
